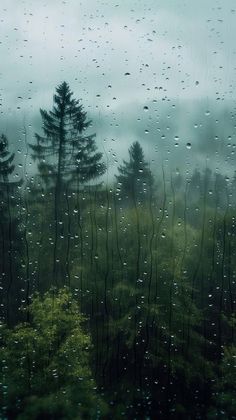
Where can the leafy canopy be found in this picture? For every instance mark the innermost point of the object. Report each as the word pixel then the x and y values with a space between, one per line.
pixel 45 363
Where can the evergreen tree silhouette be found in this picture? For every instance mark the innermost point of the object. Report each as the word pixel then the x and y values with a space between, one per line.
pixel 9 235
pixel 135 179
pixel 64 152
pixel 67 157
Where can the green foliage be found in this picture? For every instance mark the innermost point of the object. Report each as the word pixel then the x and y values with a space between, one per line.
pixel 225 387
pixel 144 322
pixel 45 363
pixel 156 280
pixel 150 277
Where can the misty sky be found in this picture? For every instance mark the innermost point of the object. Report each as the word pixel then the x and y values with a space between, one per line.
pixel 130 62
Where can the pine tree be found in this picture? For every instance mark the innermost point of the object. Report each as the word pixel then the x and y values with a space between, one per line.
pixel 64 152
pixel 9 235
pixel 196 186
pixel 6 161
pixel 135 179
pixel 67 157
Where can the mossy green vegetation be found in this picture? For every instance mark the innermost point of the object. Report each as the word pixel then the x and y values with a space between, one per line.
pixel 45 369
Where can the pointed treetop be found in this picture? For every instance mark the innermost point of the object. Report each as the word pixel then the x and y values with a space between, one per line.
pixel 6 159
pixel 64 152
pixel 135 176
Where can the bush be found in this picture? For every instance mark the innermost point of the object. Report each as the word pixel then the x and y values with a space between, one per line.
pixel 45 363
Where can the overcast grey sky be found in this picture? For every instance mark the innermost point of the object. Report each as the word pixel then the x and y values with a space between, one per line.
pixel 92 43
pixel 118 57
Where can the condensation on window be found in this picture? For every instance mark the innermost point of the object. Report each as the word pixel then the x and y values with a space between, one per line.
pixel 118 209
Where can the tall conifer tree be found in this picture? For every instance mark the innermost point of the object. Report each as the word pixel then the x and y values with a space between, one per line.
pixel 64 152
pixel 9 235
pixel 67 157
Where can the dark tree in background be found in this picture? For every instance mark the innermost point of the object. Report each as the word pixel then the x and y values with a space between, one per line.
pixel 6 161
pixel 9 235
pixel 135 179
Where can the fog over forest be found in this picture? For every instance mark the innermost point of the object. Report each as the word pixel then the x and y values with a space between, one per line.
pixel 185 134
pixel 159 72
pixel 117 209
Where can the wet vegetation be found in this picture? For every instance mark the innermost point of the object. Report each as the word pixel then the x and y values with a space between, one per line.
pixel 118 295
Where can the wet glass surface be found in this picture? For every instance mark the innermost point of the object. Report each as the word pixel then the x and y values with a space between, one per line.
pixel 118 207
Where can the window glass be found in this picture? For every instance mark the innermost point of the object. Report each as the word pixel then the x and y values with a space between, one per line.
pixel 118 207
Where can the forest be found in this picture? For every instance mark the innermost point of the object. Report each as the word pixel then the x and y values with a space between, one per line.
pixel 117 295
